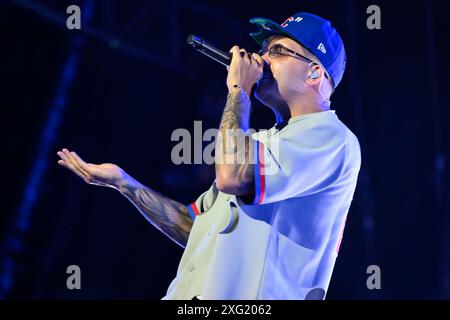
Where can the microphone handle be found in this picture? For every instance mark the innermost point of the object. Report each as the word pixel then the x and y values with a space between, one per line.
pixel 209 50
pixel 224 58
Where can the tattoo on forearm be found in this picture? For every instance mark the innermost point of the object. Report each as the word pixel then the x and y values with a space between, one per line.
pixel 234 151
pixel 170 217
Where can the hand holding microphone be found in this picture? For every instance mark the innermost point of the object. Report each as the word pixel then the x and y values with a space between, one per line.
pixel 245 63
pixel 245 70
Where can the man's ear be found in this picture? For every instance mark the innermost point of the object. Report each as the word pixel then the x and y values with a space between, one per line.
pixel 315 74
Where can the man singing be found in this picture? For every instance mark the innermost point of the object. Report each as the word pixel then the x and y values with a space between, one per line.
pixel 270 226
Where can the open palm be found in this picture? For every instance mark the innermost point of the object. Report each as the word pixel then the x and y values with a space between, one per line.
pixel 105 174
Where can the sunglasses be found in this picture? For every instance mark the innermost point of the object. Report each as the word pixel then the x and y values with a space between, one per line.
pixel 278 50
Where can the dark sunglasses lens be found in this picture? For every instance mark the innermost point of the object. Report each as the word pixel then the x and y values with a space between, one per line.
pixel 276 50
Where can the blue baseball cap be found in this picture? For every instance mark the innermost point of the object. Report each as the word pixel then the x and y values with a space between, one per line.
pixel 312 32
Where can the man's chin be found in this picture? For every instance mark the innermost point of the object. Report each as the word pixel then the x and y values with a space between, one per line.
pixel 265 94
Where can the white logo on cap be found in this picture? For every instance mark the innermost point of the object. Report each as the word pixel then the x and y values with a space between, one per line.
pixel 290 19
pixel 322 49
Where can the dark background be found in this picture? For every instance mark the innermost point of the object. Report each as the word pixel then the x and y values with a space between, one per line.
pixel 115 91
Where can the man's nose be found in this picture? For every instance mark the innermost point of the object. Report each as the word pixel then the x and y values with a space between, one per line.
pixel 267 71
pixel 265 57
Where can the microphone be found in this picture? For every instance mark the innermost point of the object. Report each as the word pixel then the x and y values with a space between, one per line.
pixel 209 50
pixel 224 58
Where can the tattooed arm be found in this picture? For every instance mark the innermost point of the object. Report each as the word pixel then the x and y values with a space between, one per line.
pixel 234 151
pixel 170 217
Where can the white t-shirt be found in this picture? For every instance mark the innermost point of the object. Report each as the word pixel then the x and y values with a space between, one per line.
pixel 284 244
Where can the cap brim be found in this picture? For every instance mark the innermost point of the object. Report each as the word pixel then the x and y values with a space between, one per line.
pixel 267 28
